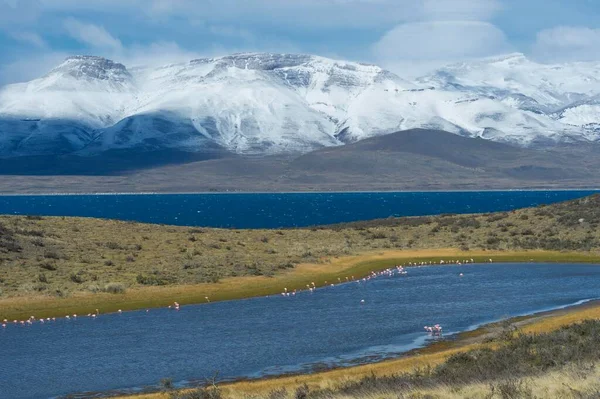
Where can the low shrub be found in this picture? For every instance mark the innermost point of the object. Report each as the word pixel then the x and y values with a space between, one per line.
pixel 113 245
pixel 114 288
pixel 51 255
pixel 151 280
pixel 48 266
pixel 76 278
pixel 519 357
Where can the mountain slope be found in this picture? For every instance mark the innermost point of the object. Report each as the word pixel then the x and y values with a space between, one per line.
pixel 409 160
pixel 264 104
pixel 438 156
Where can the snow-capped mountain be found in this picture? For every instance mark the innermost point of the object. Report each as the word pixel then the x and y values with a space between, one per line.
pixel 259 103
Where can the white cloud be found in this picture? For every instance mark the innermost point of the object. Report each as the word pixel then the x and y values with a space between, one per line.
pixel 568 43
pixel 92 35
pixel 445 31
pixel 154 54
pixel 18 12
pixel 292 14
pixel 30 38
pixel 30 67
pixel 232 32
pixel 442 41
pixel 460 10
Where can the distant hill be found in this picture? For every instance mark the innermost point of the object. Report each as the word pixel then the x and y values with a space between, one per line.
pixel 416 159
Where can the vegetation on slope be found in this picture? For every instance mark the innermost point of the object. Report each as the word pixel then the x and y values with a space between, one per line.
pixel 60 256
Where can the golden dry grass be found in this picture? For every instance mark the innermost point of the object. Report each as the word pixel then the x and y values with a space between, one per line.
pixel 62 257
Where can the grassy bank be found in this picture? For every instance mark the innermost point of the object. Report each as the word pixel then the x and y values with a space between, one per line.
pixel 333 271
pixel 54 266
pixel 483 364
pixel 59 257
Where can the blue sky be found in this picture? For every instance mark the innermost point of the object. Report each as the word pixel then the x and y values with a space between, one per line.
pixel 407 36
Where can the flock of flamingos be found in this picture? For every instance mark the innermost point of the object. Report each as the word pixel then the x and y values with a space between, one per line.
pixel 435 330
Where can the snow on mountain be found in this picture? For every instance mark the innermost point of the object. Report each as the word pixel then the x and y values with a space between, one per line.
pixel 537 86
pixel 259 103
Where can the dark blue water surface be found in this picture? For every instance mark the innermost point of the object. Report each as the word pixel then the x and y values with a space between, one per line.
pixel 274 335
pixel 276 210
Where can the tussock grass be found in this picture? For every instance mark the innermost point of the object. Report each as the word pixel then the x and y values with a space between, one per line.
pixel 155 264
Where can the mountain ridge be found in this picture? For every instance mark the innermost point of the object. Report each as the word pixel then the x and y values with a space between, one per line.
pixel 268 103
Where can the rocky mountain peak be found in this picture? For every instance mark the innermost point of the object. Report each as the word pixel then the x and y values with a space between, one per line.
pixel 92 68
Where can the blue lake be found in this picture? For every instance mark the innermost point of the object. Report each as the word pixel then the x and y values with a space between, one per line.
pixel 276 210
pixel 274 335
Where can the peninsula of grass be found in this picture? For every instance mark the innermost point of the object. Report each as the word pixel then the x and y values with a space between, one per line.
pixel 53 266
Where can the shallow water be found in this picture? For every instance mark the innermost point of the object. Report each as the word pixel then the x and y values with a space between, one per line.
pixel 275 210
pixel 264 336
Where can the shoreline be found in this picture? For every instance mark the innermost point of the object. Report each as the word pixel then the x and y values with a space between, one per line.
pixel 507 190
pixel 238 288
pixel 454 343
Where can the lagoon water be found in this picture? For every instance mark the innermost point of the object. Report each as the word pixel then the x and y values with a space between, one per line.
pixel 275 210
pixel 274 335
